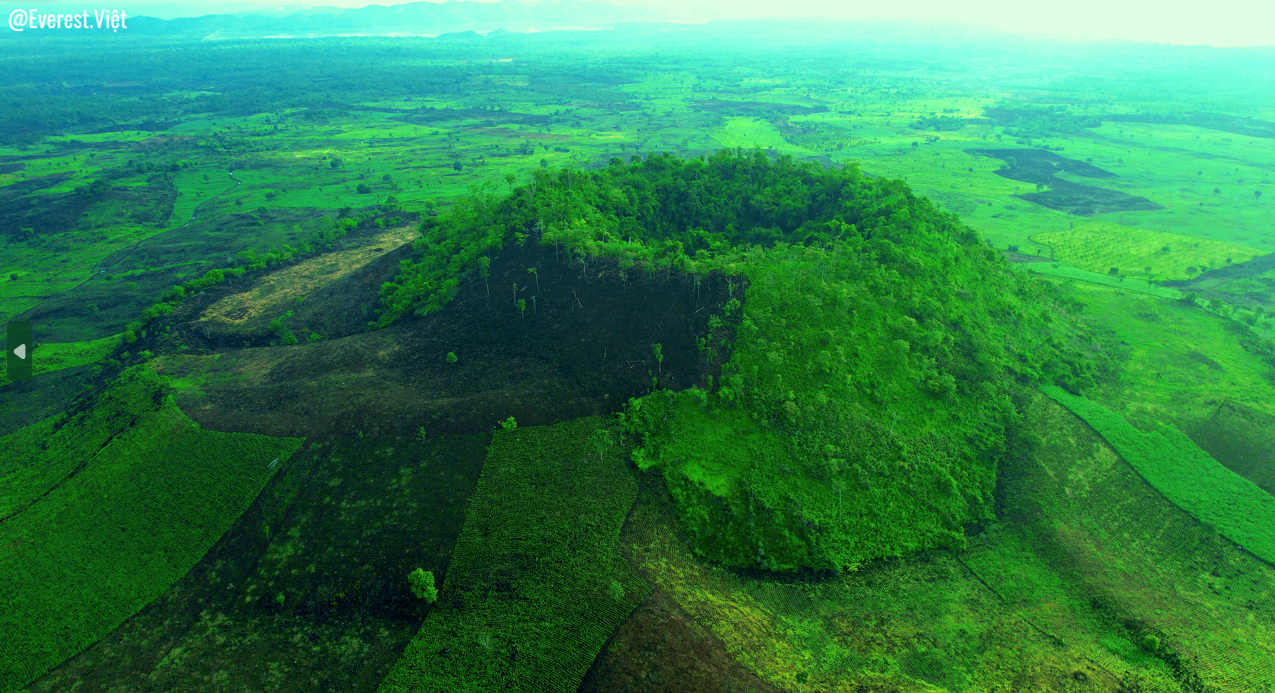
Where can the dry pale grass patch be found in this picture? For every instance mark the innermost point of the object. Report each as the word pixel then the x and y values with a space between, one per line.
pixel 277 289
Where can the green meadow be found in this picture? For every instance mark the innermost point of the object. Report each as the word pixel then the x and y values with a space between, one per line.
pixel 92 547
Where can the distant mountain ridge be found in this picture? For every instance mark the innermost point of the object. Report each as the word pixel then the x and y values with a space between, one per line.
pixel 412 18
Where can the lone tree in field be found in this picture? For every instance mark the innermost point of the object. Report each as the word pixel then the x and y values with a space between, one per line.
pixel 601 441
pixel 422 584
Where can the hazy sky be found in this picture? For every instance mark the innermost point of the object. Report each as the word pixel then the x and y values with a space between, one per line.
pixel 1214 22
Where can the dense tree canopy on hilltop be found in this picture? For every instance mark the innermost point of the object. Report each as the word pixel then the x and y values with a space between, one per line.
pixel 863 409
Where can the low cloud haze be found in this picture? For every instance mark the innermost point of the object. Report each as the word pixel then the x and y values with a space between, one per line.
pixel 1224 23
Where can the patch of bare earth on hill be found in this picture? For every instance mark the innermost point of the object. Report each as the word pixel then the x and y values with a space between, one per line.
pixel 276 293
pixel 560 342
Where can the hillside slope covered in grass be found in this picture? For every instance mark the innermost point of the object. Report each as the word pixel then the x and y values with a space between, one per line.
pixel 1186 475
pixel 873 342
pixel 1090 580
pixel 536 584
pixel 122 503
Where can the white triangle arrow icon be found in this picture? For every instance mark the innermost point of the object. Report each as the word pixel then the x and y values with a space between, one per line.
pixel 21 351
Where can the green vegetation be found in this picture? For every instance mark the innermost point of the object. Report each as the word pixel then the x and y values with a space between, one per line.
pixel 43 455
pixel 876 355
pixel 422 585
pixel 529 597
pixel 1137 252
pixel 601 442
pixel 1178 361
pixel 1243 439
pixel 56 356
pixel 1090 580
pixel 84 551
pixel 282 331
pixel 403 142
pixel 820 362
pixel 1186 475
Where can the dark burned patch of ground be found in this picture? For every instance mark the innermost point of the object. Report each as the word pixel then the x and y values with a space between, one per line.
pixel 580 347
pixel 660 648
pixel 1204 360
pixel 1086 200
pixel 347 305
pixel 1042 167
pixel 1242 439
pixel 335 532
pixel 54 214
pixel 1249 127
pixel 1039 165
pixel 1247 284
pixel 20 208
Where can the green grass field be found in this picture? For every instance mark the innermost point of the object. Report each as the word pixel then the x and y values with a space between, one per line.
pixel 56 356
pixel 114 520
pixel 1142 253
pixel 284 158
pixel 1186 475
pixel 1124 284
pixel 753 132
pixel 1182 361
pixel 535 586
pixel 1089 579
